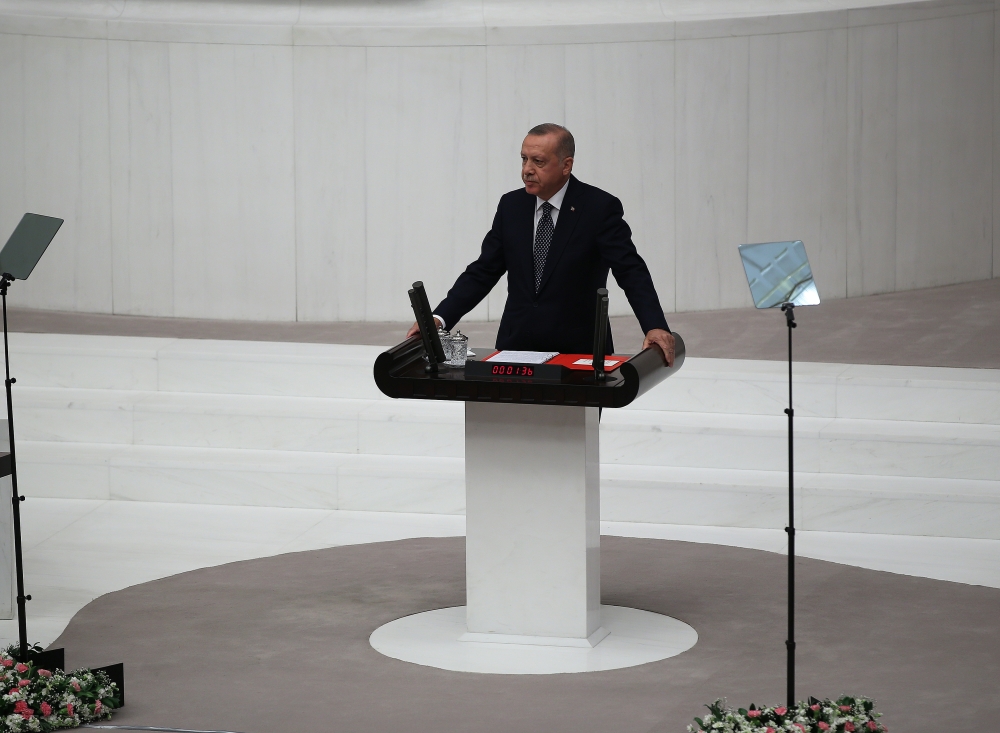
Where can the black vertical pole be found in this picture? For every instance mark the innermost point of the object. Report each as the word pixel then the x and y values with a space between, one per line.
pixel 789 310
pixel 22 626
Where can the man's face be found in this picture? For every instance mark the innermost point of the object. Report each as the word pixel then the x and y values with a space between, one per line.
pixel 541 170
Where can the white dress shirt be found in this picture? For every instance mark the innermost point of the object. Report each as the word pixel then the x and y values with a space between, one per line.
pixel 556 201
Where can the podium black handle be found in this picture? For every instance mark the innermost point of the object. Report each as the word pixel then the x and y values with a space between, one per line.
pixel 600 334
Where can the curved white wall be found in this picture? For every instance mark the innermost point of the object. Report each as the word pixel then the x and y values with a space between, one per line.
pixel 308 160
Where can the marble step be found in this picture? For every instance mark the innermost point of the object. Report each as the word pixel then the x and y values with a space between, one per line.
pixel 418 428
pixel 383 427
pixel 190 365
pixel 719 497
pixel 255 422
pixel 724 386
pixel 833 502
pixel 241 477
pixel 857 391
pixel 822 445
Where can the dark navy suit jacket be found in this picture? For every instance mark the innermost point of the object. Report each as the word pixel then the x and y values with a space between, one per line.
pixel 590 238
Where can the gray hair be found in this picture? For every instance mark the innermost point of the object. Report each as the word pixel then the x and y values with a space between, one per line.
pixel 566 146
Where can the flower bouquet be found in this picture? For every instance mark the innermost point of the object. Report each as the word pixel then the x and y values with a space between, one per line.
pixel 843 715
pixel 38 699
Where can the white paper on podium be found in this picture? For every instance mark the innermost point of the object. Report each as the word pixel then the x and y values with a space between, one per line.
pixel 522 357
pixel 590 362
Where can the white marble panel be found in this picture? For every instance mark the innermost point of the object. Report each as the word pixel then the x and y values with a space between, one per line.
pixel 871 181
pixel 243 487
pixel 927 458
pixel 706 440
pixel 798 148
pixel 912 514
pixel 526 86
pixel 306 370
pixel 834 502
pixel 232 136
pixel 12 206
pixel 426 429
pixel 402 484
pixel 620 107
pixel 249 424
pixel 78 416
pixel 425 143
pixel 737 20
pixel 877 13
pixel 723 391
pixel 330 175
pixel 921 394
pixel 694 503
pixel 142 226
pixel 87 362
pixel 67 172
pixel 64 470
pixel 944 206
pixel 712 159
pixel 996 144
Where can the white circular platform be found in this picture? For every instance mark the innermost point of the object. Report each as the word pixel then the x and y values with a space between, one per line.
pixel 431 639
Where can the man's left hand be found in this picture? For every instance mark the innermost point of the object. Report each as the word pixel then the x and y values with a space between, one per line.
pixel 664 340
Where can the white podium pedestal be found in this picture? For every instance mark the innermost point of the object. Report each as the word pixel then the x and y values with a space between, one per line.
pixel 533 536
pixel 533 509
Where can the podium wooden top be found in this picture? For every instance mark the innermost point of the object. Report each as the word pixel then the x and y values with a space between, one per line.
pixel 400 373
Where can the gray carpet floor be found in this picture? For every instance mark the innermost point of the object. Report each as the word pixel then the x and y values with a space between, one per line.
pixel 952 326
pixel 280 644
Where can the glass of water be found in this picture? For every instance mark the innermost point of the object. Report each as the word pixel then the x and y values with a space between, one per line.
pixel 455 346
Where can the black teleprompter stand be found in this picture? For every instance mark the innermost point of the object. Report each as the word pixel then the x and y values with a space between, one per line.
pixel 600 334
pixel 16 499
pixel 18 258
pixel 789 310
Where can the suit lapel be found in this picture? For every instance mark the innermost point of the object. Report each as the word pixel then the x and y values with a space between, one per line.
pixel 568 216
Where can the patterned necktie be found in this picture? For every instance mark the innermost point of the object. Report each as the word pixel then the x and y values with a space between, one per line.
pixel 543 238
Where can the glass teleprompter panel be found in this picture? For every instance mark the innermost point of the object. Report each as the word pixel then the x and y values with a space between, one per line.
pixel 27 244
pixel 779 272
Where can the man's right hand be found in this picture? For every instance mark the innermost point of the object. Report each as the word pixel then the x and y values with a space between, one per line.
pixel 415 329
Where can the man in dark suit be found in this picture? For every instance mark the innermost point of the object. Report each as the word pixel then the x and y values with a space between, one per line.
pixel 556 239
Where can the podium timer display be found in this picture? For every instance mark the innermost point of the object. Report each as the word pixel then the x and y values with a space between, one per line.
pixel 516 372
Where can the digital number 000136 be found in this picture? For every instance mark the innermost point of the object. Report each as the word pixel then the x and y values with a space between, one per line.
pixel 514 371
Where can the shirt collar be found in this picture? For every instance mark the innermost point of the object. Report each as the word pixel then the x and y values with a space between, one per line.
pixel 556 200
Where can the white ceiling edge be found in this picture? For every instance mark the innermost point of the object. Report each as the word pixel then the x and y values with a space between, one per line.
pixel 454 22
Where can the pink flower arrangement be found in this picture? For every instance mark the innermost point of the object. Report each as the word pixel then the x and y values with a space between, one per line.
pixel 48 700
pixel 22 709
pixel 843 715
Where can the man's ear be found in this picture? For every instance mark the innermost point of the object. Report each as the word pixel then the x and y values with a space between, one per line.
pixel 567 166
